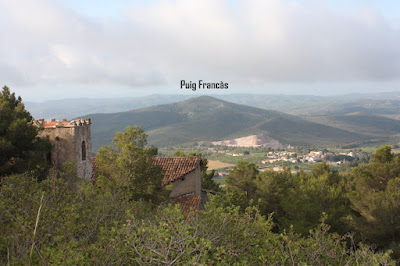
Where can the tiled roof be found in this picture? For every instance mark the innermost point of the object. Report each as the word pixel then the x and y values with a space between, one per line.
pixel 64 123
pixel 188 203
pixel 176 167
pixel 53 124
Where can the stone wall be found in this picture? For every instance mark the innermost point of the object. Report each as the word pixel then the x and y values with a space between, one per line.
pixel 62 140
pixel 84 163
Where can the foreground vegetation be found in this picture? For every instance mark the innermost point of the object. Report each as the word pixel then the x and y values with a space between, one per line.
pixel 267 218
pixel 54 222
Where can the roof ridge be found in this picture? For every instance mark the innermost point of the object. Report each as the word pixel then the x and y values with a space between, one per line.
pixel 175 168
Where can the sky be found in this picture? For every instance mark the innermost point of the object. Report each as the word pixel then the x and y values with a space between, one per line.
pixel 55 49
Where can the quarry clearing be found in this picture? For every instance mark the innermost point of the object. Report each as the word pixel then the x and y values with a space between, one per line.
pixel 250 141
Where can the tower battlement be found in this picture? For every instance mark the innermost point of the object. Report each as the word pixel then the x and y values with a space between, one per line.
pixel 64 123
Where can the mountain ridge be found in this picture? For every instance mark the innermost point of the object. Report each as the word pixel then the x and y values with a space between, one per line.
pixel 299 105
pixel 206 118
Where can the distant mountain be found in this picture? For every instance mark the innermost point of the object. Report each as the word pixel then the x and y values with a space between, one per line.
pixel 299 105
pixel 366 124
pixel 209 119
pixel 308 105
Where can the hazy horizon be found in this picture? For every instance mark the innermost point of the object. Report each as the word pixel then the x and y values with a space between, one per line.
pixel 218 95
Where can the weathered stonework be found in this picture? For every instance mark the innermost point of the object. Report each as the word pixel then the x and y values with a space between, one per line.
pixel 71 141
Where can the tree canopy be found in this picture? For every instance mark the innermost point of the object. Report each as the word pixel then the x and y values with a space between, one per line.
pixel 20 149
pixel 375 198
pixel 242 178
pixel 128 165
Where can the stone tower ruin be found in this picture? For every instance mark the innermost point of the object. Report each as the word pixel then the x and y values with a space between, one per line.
pixel 71 142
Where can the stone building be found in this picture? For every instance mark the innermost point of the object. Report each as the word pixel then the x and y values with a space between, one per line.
pixel 185 175
pixel 71 142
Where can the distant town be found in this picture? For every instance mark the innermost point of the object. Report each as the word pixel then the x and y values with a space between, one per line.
pixel 223 158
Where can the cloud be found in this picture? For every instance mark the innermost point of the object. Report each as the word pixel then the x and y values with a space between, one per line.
pixel 157 43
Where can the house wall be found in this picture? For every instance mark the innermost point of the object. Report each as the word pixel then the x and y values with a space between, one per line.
pixel 190 183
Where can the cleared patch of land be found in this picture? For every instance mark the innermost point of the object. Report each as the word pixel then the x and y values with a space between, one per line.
pixel 213 165
pixel 250 141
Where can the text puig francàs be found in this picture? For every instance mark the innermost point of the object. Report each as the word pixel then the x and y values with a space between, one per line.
pixel 203 85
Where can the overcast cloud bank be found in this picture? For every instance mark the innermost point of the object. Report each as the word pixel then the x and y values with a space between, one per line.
pixel 295 46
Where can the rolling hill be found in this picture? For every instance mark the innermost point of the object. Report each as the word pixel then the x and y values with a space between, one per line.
pixel 207 118
pixel 308 105
pixel 367 124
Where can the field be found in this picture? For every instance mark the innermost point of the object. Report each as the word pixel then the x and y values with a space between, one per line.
pixel 214 165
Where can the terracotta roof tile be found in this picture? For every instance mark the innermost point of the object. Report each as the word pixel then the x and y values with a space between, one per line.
pixel 64 123
pixel 176 167
pixel 188 203
pixel 53 124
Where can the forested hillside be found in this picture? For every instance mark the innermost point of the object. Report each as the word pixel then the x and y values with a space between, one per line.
pixel 368 124
pixel 209 119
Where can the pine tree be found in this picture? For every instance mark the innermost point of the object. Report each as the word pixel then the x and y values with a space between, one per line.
pixel 375 198
pixel 242 178
pixel 20 149
pixel 128 166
